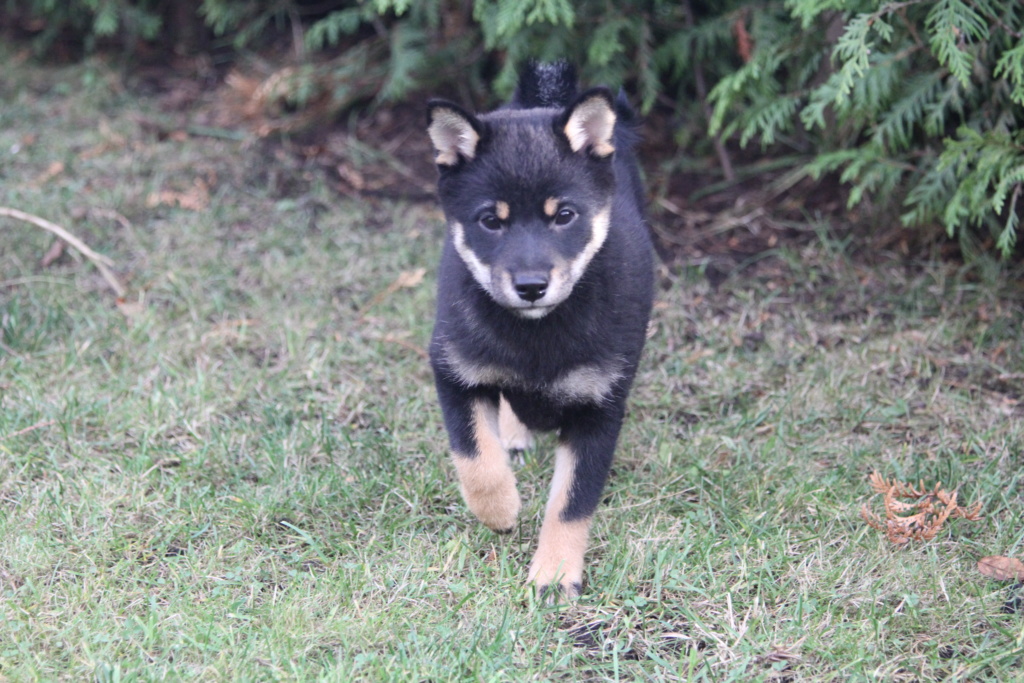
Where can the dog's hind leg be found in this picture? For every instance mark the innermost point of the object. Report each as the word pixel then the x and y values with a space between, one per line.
pixel 582 461
pixel 515 436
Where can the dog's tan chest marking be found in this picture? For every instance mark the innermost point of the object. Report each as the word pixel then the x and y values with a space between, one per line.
pixel 584 383
pixel 472 374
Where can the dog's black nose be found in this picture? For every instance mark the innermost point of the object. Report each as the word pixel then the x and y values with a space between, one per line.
pixel 530 286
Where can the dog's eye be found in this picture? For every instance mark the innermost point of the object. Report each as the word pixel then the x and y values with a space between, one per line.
pixel 490 221
pixel 565 217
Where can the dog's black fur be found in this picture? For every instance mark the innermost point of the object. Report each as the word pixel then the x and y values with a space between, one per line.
pixel 544 296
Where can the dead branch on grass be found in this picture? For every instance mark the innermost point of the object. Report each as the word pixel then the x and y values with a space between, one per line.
pixel 407 279
pixel 30 428
pixel 918 520
pixel 101 262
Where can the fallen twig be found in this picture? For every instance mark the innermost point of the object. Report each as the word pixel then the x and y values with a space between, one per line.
pixel 30 428
pixel 406 279
pixel 99 260
pixel 419 350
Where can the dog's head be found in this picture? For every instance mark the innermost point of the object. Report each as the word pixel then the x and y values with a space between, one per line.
pixel 527 194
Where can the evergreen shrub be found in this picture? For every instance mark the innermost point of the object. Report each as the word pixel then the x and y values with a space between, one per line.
pixel 918 104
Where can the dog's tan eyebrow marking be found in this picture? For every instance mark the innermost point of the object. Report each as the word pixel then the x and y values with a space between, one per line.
pixel 502 210
pixel 550 207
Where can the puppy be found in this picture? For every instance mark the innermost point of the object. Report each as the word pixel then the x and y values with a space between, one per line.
pixel 544 295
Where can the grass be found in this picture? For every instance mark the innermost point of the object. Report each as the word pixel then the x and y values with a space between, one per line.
pixel 240 471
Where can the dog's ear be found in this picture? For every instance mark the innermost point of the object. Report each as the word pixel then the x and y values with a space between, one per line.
pixel 589 123
pixel 454 132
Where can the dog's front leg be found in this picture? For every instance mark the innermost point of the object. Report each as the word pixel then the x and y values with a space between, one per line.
pixel 486 478
pixel 582 461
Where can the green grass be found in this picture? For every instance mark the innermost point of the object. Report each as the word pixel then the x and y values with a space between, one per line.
pixel 240 473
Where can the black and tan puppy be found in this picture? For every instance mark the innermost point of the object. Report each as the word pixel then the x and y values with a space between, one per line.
pixel 544 294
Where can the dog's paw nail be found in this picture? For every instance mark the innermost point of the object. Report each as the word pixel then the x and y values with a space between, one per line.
pixel 554 593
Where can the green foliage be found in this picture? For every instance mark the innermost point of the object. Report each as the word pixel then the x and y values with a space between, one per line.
pixel 330 30
pixel 951 23
pixel 990 170
pixel 243 21
pixel 88 20
pixel 1011 67
pixel 914 101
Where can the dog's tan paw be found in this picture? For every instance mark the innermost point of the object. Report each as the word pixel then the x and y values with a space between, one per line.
pixel 557 578
pixel 487 480
pixel 498 507
pixel 558 562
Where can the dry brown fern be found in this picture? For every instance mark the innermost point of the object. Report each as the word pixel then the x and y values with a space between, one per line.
pixel 921 514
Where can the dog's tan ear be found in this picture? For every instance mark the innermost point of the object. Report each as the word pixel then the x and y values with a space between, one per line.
pixel 454 132
pixel 590 123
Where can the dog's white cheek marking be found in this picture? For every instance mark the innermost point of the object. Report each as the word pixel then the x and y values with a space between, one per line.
pixel 480 271
pixel 560 549
pixel 487 481
pixel 598 234
pixel 503 291
pixel 566 274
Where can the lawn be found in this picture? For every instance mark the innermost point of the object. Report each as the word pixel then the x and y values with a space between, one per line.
pixel 238 470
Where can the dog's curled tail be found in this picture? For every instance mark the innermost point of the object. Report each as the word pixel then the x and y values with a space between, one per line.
pixel 545 84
